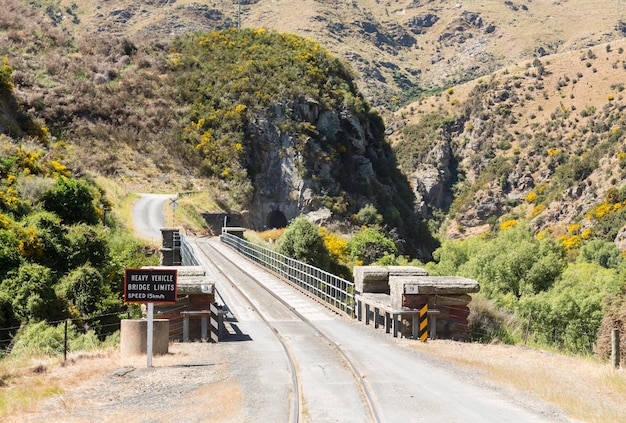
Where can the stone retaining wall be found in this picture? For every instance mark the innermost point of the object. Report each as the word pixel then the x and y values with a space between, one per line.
pixel 410 288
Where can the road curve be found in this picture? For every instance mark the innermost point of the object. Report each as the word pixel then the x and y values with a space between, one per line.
pixel 148 215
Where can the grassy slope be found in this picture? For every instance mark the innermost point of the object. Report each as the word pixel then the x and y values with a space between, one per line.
pixel 597 84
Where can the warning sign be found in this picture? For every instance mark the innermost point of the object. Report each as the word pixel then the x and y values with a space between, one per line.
pixel 150 285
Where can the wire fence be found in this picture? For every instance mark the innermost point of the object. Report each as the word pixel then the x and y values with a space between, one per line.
pixel 333 290
pixel 104 324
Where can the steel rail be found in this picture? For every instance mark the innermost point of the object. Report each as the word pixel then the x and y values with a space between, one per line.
pixel 366 394
pixel 297 403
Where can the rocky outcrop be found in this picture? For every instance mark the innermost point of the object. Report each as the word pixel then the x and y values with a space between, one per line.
pixel 332 169
pixel 419 24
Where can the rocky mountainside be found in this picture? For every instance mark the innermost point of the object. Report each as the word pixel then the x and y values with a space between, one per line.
pixel 272 124
pixel 543 141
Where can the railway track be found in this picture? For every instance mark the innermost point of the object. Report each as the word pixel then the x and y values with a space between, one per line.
pixel 314 396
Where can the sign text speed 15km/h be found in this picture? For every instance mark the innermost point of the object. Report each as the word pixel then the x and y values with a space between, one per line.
pixel 150 285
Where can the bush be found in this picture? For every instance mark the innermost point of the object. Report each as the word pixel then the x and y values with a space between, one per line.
pixel 52 236
pixel 369 245
pixel 600 252
pixel 6 72
pixel 488 324
pixel 9 257
pixel 72 200
pixel 8 321
pixel 568 315
pixel 369 216
pixel 87 244
pixel 303 241
pixel 83 288
pixel 33 298
pixel 614 318
pixel 42 339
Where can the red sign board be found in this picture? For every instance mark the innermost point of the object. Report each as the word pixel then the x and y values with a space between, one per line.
pixel 150 285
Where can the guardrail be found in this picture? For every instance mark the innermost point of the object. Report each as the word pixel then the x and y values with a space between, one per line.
pixel 331 289
pixel 187 256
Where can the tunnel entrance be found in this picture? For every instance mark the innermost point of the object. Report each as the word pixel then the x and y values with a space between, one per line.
pixel 276 220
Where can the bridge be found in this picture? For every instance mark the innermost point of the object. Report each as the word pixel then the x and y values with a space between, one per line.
pixel 297 357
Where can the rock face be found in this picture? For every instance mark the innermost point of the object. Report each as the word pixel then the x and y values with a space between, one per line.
pixel 335 166
pixel 431 179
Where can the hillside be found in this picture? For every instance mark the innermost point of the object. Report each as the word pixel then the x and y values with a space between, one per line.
pixel 541 141
pixel 399 48
pixel 97 73
pixel 272 124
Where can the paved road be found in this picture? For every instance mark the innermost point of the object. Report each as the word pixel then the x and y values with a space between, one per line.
pixel 407 385
pixel 148 215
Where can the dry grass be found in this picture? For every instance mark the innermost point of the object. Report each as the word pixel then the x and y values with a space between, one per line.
pixel 266 238
pixel 27 381
pixel 188 214
pixel 585 389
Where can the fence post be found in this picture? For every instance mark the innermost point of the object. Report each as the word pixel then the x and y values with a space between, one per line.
pixel 530 316
pixel 65 343
pixel 615 348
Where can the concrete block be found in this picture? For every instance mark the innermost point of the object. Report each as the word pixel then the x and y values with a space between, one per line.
pixel 433 285
pixel 371 279
pixel 134 337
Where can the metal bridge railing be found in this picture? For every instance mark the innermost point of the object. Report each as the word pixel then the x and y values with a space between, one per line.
pixel 337 292
pixel 188 258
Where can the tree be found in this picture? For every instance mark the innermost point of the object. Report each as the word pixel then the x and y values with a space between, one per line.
pixel 302 240
pixel 603 253
pixel 513 264
pixel 87 244
pixel 9 257
pixel 569 313
pixel 53 237
pixel 82 288
pixel 369 216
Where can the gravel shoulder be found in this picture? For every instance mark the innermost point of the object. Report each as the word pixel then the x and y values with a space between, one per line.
pixel 194 382
pixel 199 382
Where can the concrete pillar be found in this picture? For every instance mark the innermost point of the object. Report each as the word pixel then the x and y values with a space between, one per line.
pixel 134 336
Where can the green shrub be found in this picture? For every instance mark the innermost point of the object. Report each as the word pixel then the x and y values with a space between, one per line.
pixel 369 216
pixel 33 297
pixel 87 244
pixel 568 315
pixel 602 253
pixel 6 72
pixel 369 245
pixel 9 256
pixel 72 200
pixel 43 339
pixel 53 238
pixel 83 288
pixel 8 320
pixel 303 240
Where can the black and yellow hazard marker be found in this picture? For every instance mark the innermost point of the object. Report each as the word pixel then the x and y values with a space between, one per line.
pixel 423 332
